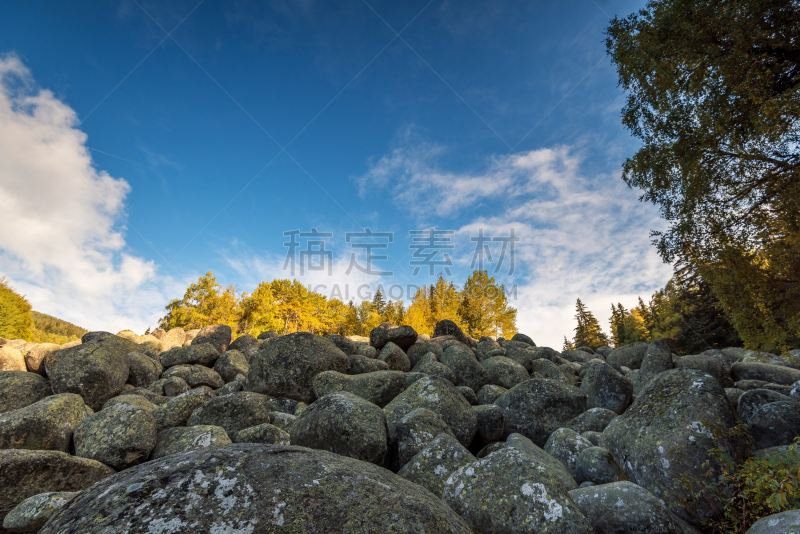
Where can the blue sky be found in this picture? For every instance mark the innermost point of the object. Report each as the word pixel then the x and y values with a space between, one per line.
pixel 144 143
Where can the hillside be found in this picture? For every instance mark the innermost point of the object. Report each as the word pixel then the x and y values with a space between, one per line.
pixel 49 329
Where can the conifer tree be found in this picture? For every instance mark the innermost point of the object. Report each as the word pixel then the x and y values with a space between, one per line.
pixel 588 332
pixel 379 302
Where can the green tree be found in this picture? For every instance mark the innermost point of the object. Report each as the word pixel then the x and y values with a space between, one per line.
pixel 484 307
pixel 257 312
pixel 418 315
pixel 205 303
pixel 568 345
pixel 588 332
pixel 713 96
pixel 444 301
pixel 379 302
pixel 15 313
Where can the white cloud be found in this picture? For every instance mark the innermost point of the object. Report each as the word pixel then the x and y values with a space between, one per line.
pixel 582 236
pixel 62 237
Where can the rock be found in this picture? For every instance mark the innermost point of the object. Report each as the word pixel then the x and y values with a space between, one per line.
pixel 554 466
pixel 657 358
pixel 246 344
pixel 31 514
pixel 490 448
pixel 402 336
pixel 345 345
pixel 523 338
pixel 195 376
pixel 137 401
pixel 716 367
pixel 170 387
pixel 413 433
pixel 361 364
pixel 774 424
pixel 96 370
pixel 586 349
pixel 747 385
pixel 592 420
pixel 576 356
pixel 379 387
pixel 545 353
pixel 232 387
pixel 287 365
pixel 143 370
pixel 234 412
pixel 490 393
pixel 630 356
pixel 504 372
pixel 596 465
pixel 422 348
pixel 787 522
pixel 431 466
pixel 267 335
pixel 750 401
pixel 173 338
pixel 242 487
pixel 766 372
pixel 520 352
pixel 180 440
pixel 19 389
pixel 668 431
pixel 490 424
pixel 267 434
pixel 593 437
pixel 230 364
pixel 565 445
pixel 510 492
pixel 121 435
pixel 24 474
pixel 625 508
pixel 35 356
pixel 158 400
pixel 11 360
pixel 176 411
pixel 413 377
pixel 218 335
pixel 204 354
pixel 542 368
pixel 44 425
pixel 394 357
pixel 791 359
pixel 447 327
pixel 465 366
pixel 430 366
pixel 345 424
pixel 605 387
pixel 443 399
pixel 468 394
pixel 539 406
pixel 734 394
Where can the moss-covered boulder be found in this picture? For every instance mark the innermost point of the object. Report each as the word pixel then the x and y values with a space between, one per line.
pixel 430 365
pixel 121 435
pixel 605 387
pixel 491 424
pixel 597 465
pixel 504 372
pixel 413 433
pixel 234 412
pixel 169 387
pixel 576 356
pixel 138 401
pixel 360 364
pixel 287 366
pixel 774 424
pixel 176 411
pixel 217 335
pixel 431 466
pixel 717 367
pixel 630 356
pixel 24 474
pixel 196 354
pixel 787 522
pixel 394 357
pixel 625 508
pixel 521 352
pixel 566 445
pixel 510 492
pixel 96 371
pixel 668 431
pixel 44 425
pixel 592 420
pixel 180 440
pixel 231 364
pixel 446 327
pixel 776 374
pixel 529 448
pixel 490 393
pixel 144 370
pixel 421 348
pixel 442 398
pixel 257 489
pixel 379 387
pixel 267 434
pixel 402 336
pixel 462 361
pixel 542 368
pixel 31 514
pixel 537 407
pixel 195 376
pixel 345 424
pixel 19 389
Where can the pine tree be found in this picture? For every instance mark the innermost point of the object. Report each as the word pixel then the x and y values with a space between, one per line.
pixel 568 345
pixel 379 302
pixel 484 307
pixel 588 332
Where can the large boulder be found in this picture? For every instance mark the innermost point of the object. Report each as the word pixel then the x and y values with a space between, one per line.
pixel 266 433
pixel 231 364
pixel 287 366
pixel 510 492
pixel 24 474
pixel 668 431
pixel 774 424
pixel 446 327
pixel 413 432
pixel 345 424
pixel 120 435
pixel 715 366
pixel 218 335
pixel 775 374
pixel 605 387
pixel 173 338
pixel 360 365
pixel 442 398
pixel 592 420
pixel 246 344
pixel 180 440
pixel 234 412
pixel 402 336
pixel 394 357
pixel 11 359
pixel 96 371
pixel 204 354
pixel 630 356
pixel 347 346
pixel 379 387
pixel 565 445
pixel 465 366
pixel 431 466
pixel 421 348
pixel 429 365
pixel 576 356
pixel 625 508
pixel 597 465
pixel 143 370
pixel 195 376
pixel 540 457
pixel 34 358
pixel 19 389
pixel 491 423
pixel 539 406
pixel 177 410
pixel 257 489
pixel 44 425
pixel 787 522
pixel 31 514
pixel 504 372
pixel 523 338
pixel 522 353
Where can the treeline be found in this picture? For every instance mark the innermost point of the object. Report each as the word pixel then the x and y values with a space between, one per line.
pixel 286 306
pixel 19 321
pixel 685 313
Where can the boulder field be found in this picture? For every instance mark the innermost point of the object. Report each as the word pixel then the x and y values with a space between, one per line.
pixel 196 432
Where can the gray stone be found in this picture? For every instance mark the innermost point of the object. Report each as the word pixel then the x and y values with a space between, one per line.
pixel 402 336
pixel 565 445
pixel 429 365
pixel 716 367
pixel 447 327
pixel 787 522
pixel 345 345
pixel 170 387
pixel 539 406
pixel 505 372
pixel 750 401
pixel 143 370
pixel 180 440
pixel 657 359
pixel 176 411
pixel 605 387
pixel 491 423
pixel 361 364
pixel 468 394
pixel 218 335
pixel 413 433
pixel 576 356
pixel 465 366
pixel 523 338
pixel 545 353
pixel 592 420
pixel 431 466
pixel 413 377
pixel 204 354
pixel 630 356
pixel 379 387
pixel 287 366
pixel 774 424
pixel 775 374
pixel 35 357
pixel 246 344
pixel 421 348
pixel 137 401
pixel 394 357
pixel 31 514
pixel 489 393
pixel 195 376
pixel 596 465
pixel 510 492
pixel 542 368
pixel 267 434
pixel 625 508
pixel 230 364
pixel 490 448
pixel 366 351
pixel 19 389
pixel 234 412
pixel 593 437
pixel 522 353
pixel 554 466
pixel 44 425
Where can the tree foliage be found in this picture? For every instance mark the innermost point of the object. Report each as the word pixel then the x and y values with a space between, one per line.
pixel 484 308
pixel 15 313
pixel 713 96
pixel 588 332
